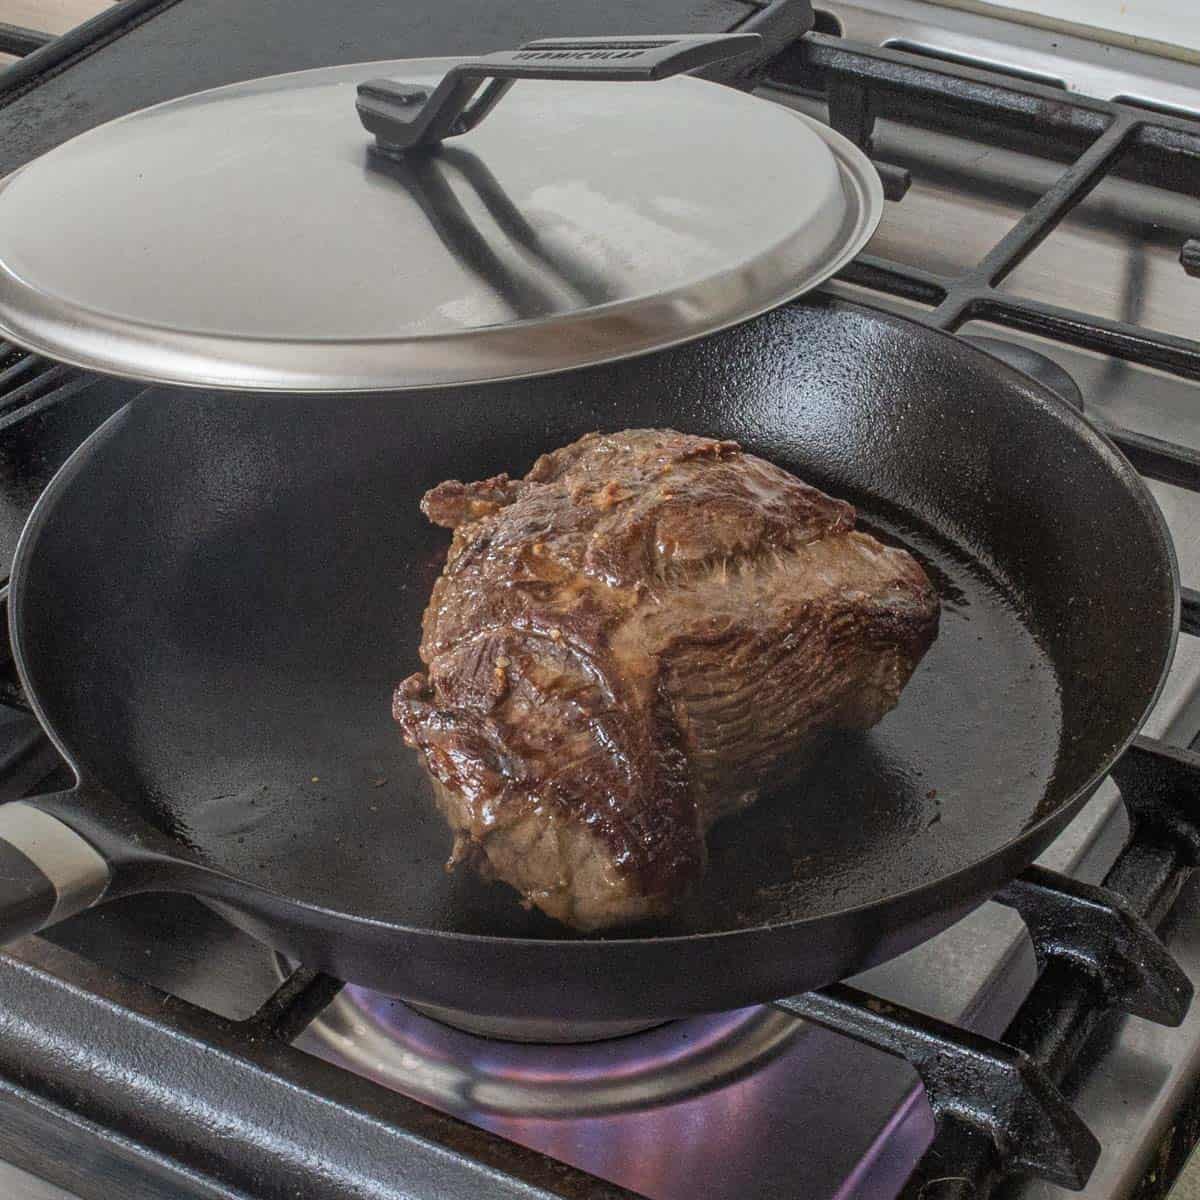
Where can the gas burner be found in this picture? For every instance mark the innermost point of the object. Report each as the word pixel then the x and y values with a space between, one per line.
pixel 458 1072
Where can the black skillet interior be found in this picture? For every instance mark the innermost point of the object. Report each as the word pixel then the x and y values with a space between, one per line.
pixel 215 606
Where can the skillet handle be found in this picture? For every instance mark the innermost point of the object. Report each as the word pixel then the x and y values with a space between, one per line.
pixel 47 871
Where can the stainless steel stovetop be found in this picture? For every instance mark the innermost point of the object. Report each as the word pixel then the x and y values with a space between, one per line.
pixel 755 1104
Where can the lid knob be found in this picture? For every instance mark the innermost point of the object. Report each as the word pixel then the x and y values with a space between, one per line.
pixel 403 117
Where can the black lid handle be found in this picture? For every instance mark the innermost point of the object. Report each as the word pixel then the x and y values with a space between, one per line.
pixel 403 117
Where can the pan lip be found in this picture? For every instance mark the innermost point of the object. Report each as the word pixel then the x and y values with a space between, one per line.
pixel 27 540
pixel 1032 838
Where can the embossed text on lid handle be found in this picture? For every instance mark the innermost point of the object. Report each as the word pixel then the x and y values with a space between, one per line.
pixel 403 117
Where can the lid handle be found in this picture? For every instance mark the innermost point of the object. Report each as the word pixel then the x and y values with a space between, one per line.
pixel 403 117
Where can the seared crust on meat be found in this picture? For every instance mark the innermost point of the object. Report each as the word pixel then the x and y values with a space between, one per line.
pixel 629 643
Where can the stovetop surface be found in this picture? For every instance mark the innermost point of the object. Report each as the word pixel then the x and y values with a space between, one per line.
pixel 752 1104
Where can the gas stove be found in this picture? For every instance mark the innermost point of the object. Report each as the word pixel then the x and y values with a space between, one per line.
pixel 1044 192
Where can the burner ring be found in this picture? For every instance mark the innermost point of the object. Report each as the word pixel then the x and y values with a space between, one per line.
pixel 391 1043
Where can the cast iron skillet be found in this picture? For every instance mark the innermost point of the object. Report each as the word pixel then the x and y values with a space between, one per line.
pixel 214 598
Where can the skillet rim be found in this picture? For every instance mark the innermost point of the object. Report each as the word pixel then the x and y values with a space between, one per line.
pixel 1033 836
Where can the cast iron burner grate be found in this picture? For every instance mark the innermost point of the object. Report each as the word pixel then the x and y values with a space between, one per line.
pixel 996 1102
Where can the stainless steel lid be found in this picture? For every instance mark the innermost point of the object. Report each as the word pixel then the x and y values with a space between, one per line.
pixel 254 236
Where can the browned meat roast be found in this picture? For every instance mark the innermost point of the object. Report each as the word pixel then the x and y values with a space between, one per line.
pixel 629 643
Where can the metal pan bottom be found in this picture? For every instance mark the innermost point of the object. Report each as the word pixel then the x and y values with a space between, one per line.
pixel 471 1076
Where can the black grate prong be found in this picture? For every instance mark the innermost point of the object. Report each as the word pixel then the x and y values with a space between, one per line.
pixel 1077 182
pixel 850 110
pixel 970 1081
pixel 1155 458
pixel 19 41
pixel 298 1000
pixel 896 180
pixel 1160 785
pixel 940 1174
pixel 1097 933
pixel 883 275
pixel 1189 611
